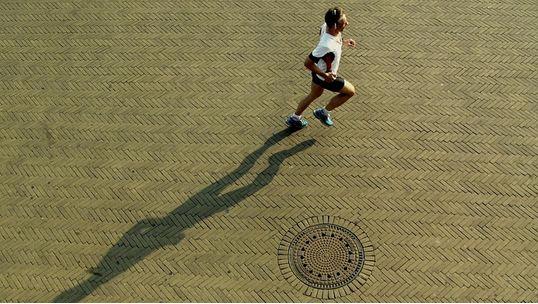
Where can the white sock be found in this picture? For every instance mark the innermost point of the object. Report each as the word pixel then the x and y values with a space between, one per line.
pixel 297 116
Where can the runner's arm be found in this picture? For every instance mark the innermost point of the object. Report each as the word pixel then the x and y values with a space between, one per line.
pixel 311 65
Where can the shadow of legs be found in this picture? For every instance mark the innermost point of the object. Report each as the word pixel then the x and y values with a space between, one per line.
pixel 151 234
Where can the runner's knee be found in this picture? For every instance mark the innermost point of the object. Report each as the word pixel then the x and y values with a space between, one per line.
pixel 351 90
pixel 348 90
pixel 315 93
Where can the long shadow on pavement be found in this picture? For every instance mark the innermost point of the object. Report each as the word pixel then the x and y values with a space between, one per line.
pixel 151 234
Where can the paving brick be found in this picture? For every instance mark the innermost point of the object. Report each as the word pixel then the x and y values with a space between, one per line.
pixel 142 142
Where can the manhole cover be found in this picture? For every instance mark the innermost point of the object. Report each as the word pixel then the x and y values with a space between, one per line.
pixel 326 257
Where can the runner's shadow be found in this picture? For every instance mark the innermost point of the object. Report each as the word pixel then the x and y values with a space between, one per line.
pixel 151 234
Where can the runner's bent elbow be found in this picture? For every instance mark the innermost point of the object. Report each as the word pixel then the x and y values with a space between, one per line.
pixel 308 63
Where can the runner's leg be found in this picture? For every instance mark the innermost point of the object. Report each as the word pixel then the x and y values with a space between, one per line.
pixel 345 93
pixel 315 92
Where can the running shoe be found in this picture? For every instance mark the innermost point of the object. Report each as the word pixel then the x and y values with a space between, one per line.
pixel 323 116
pixel 296 123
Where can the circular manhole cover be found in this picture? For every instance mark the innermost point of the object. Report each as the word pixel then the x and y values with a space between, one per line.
pixel 326 257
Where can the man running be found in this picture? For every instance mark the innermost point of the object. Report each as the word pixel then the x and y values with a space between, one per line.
pixel 324 62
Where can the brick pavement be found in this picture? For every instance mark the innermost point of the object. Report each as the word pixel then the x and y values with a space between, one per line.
pixel 142 156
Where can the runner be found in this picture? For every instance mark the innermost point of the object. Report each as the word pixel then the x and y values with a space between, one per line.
pixel 323 62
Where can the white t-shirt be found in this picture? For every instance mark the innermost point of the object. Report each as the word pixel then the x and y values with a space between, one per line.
pixel 328 44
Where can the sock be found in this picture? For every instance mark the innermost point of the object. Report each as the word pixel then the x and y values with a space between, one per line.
pixel 297 116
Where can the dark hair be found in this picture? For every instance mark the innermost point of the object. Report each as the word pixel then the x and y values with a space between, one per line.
pixel 333 15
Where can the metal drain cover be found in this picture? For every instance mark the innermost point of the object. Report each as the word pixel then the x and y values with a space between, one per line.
pixel 326 257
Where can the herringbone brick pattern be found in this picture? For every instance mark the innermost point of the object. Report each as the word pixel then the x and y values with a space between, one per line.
pixel 142 158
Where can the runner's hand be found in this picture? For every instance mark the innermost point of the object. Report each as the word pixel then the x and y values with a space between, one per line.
pixel 350 43
pixel 330 77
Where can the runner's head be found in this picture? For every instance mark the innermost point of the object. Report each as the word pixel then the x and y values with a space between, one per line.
pixel 335 18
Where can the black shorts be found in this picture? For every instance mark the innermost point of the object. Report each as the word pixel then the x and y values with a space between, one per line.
pixel 334 86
